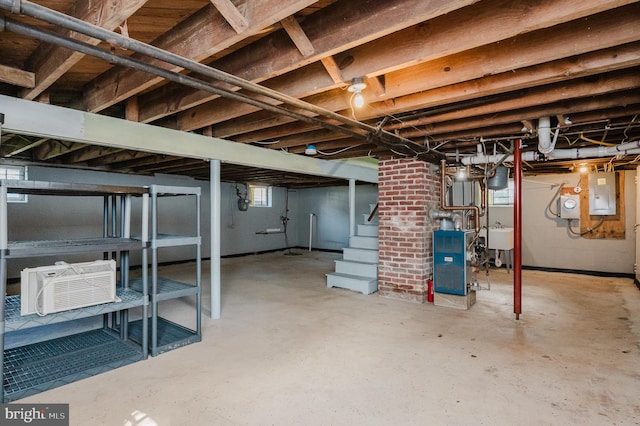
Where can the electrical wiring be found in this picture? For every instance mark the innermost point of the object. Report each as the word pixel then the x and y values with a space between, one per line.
pixel 588 231
pixel 555 197
pixel 339 151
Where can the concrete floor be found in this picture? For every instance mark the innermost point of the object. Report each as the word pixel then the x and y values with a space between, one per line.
pixel 289 351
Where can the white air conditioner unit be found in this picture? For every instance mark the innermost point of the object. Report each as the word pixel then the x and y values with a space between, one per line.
pixel 65 286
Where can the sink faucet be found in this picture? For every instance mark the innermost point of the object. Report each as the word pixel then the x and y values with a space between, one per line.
pixel 498 225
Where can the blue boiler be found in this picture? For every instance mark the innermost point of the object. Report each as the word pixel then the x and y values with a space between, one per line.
pixel 452 254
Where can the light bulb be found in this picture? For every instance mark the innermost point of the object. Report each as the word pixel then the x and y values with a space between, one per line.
pixel 461 174
pixel 358 100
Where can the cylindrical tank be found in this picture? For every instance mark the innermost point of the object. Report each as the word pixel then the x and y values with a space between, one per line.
pixel 500 180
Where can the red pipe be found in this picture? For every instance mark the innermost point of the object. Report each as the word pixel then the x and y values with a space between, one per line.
pixel 517 220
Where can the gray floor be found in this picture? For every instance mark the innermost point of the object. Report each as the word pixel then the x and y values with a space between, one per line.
pixel 289 351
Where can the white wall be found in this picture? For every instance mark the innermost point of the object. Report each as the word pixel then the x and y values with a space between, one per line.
pixel 546 241
pixel 47 217
pixel 331 207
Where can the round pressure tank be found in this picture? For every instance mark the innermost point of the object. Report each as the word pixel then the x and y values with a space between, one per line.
pixel 500 180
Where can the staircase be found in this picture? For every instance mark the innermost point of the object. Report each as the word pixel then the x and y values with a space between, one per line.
pixel 358 268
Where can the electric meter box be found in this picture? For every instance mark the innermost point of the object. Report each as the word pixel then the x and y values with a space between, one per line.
pixel 569 206
pixel 602 194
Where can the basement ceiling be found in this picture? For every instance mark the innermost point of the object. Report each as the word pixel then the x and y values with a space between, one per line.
pixel 443 78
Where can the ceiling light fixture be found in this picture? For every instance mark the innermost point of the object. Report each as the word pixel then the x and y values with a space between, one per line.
pixel 357 86
pixel 310 150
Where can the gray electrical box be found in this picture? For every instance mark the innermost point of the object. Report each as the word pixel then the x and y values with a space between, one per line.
pixel 570 206
pixel 602 194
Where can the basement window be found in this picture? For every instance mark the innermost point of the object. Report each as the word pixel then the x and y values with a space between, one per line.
pixel 502 197
pixel 14 173
pixel 260 196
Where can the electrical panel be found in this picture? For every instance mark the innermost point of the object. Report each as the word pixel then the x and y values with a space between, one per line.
pixel 602 194
pixel 569 206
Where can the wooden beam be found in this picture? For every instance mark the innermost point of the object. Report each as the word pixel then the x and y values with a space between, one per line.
pixel 504 78
pixel 52 62
pixel 17 76
pixel 53 148
pixel 377 85
pixel 132 110
pixel 332 68
pixel 198 37
pixel 335 28
pixel 376 58
pixel 299 38
pixel 231 13
pixel 547 101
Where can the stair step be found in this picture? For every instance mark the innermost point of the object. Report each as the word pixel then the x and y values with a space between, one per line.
pixel 374 221
pixel 364 269
pixel 360 254
pixel 366 230
pixel 364 285
pixel 363 242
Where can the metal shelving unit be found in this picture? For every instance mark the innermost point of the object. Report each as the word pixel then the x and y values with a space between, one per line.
pixel 36 367
pixel 166 335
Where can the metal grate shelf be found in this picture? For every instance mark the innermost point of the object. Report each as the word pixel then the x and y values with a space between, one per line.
pixel 170 335
pixel 14 321
pixel 42 366
pixel 167 288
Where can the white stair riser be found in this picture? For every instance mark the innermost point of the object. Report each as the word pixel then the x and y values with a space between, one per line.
pixel 360 255
pixel 369 270
pixel 362 286
pixel 363 242
pixel 367 230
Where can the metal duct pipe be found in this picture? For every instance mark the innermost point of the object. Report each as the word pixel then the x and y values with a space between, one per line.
pixel 441 214
pixel 49 37
pixel 59 19
pixel 443 192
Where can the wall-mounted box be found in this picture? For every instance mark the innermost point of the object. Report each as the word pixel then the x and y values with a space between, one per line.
pixel 602 194
pixel 569 206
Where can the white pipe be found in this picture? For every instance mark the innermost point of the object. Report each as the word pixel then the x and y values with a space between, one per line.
pixel 629 148
pixel 486 159
pixel 311 215
pixel 216 201
pixel 352 207
pixel 544 135
pixel 591 152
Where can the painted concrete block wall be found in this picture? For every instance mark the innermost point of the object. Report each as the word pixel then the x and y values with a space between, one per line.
pixel 331 208
pixel 79 217
pixel 407 188
pixel 547 243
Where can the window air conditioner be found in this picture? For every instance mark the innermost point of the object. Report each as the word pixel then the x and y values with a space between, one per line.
pixel 65 286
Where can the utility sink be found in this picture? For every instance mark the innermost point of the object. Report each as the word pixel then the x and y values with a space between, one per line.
pixel 501 238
